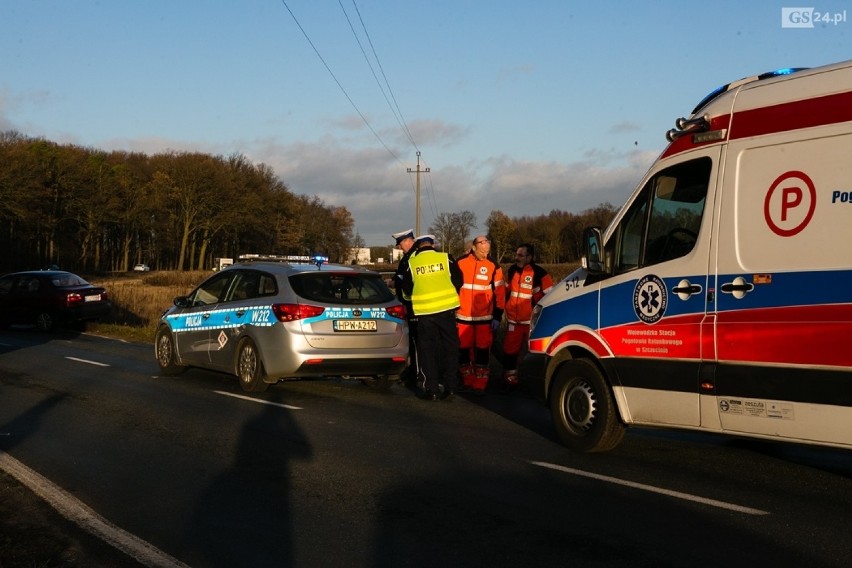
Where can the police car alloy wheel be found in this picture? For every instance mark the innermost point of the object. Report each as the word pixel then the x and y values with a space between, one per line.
pixel 164 347
pixel 250 368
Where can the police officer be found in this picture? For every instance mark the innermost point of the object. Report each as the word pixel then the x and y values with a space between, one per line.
pixel 432 282
pixel 405 241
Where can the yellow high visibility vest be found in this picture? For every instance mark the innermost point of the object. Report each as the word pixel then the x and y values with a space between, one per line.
pixel 433 288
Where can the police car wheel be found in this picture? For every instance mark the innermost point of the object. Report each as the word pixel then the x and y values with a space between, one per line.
pixel 583 409
pixel 250 368
pixel 164 350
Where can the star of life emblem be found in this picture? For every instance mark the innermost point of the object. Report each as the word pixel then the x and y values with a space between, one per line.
pixel 650 299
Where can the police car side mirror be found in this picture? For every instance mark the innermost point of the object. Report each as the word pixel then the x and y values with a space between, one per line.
pixel 592 259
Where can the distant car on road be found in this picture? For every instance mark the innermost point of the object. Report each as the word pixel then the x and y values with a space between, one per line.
pixel 48 298
pixel 141 268
pixel 267 321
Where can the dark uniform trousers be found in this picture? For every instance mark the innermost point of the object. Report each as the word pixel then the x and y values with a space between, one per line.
pixel 438 346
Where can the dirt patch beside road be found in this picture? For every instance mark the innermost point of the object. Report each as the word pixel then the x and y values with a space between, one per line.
pixel 32 533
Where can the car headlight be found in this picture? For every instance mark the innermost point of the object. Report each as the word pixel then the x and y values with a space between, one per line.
pixel 535 315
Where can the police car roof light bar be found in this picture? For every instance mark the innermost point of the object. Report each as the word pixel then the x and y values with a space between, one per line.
pixel 312 259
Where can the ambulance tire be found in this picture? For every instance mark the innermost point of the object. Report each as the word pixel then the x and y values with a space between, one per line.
pixel 250 367
pixel 583 409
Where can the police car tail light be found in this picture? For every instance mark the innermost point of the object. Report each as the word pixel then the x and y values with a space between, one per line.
pixel 293 312
pixel 396 312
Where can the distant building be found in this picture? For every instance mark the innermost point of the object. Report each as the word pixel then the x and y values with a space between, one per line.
pixel 357 256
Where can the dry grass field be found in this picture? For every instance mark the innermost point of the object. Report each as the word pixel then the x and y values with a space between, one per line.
pixel 139 299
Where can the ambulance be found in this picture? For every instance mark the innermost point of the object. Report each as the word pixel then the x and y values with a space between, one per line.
pixel 720 297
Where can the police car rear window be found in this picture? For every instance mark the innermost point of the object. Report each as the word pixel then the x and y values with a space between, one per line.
pixel 336 288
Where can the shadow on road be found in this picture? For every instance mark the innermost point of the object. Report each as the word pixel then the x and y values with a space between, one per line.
pixel 250 502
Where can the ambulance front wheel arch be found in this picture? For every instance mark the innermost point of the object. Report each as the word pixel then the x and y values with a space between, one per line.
pixel 583 409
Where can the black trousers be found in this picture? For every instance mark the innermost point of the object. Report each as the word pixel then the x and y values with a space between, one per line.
pixel 437 350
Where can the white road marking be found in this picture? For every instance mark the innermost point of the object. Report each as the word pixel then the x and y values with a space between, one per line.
pixel 87 361
pixel 653 489
pixel 78 513
pixel 250 399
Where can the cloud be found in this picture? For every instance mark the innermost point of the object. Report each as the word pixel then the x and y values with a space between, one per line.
pixel 509 74
pixel 380 193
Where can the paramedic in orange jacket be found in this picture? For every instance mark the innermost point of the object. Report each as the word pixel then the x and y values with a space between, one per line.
pixel 482 298
pixel 527 283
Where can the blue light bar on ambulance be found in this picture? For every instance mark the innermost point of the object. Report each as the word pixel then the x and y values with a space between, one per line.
pixel 726 87
pixel 780 72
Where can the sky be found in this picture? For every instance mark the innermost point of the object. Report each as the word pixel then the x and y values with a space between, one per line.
pixel 520 107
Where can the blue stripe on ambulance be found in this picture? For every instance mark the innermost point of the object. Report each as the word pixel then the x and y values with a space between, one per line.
pixel 781 289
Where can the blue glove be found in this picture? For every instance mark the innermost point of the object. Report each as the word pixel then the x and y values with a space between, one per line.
pixel 495 324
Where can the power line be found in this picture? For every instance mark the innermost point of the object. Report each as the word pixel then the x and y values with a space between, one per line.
pixel 395 110
pixel 330 72
pixel 398 113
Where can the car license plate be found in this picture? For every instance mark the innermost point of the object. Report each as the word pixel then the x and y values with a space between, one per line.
pixel 355 325
pixel 95 298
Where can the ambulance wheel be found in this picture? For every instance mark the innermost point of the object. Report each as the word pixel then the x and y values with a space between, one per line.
pixel 164 350
pixel 583 410
pixel 250 367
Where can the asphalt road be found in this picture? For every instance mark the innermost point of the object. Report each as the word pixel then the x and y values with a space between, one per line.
pixel 331 473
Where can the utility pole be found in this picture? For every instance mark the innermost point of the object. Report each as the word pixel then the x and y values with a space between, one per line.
pixel 417 200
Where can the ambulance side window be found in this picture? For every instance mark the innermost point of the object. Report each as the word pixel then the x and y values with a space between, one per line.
pixel 663 222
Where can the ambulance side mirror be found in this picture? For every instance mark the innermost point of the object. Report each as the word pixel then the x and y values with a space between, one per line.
pixel 592 259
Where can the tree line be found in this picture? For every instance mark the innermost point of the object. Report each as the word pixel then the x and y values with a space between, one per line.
pixel 93 211
pixel 556 236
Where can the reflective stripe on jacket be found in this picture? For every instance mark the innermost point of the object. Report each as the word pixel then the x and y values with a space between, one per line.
pixel 483 294
pixel 525 287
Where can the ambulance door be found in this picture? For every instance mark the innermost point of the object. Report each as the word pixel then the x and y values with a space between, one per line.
pixel 653 307
pixel 783 281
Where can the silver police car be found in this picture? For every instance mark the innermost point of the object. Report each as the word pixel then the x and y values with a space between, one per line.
pixel 266 319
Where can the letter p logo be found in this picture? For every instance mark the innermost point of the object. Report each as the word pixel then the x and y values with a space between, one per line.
pixel 791 197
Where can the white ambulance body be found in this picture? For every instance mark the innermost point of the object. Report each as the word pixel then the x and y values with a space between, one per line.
pixel 720 297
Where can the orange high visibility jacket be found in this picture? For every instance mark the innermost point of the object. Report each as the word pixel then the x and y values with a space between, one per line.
pixel 483 294
pixel 525 287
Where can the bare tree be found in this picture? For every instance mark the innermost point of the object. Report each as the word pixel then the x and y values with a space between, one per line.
pixel 452 230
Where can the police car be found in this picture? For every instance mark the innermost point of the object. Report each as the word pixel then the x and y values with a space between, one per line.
pixel 268 318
